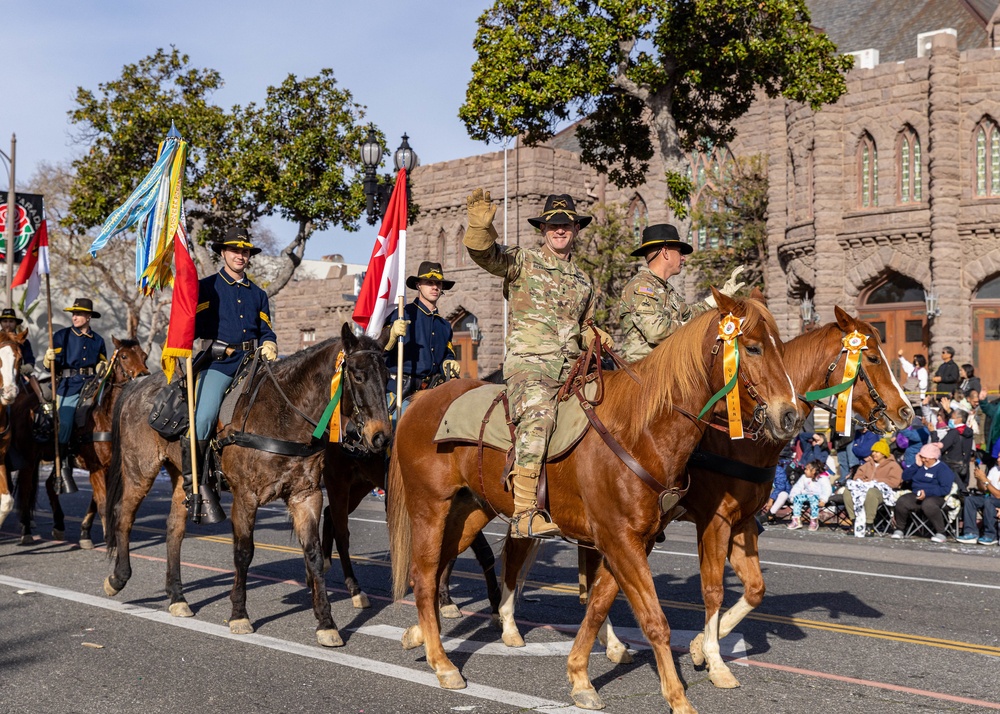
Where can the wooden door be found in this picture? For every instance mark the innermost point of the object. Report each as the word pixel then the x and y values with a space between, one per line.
pixel 467 353
pixel 901 328
pixel 986 345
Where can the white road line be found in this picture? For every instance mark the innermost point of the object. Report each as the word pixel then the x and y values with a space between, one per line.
pixel 426 679
pixel 772 563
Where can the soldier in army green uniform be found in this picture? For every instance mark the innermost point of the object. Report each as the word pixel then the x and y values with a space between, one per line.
pixel 550 298
pixel 650 308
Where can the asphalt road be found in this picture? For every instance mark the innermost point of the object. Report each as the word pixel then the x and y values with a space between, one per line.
pixel 847 625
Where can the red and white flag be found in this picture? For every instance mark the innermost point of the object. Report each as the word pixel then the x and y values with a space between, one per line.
pixel 34 265
pixel 383 283
pixel 183 306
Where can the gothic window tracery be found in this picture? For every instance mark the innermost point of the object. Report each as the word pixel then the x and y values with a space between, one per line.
pixel 909 182
pixel 708 170
pixel 987 158
pixel 867 172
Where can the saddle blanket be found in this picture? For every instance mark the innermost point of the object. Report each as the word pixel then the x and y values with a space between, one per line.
pixel 464 419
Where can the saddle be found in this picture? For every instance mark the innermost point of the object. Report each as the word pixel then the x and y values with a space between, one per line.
pixel 90 395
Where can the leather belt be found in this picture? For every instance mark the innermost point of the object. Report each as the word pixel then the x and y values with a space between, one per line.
pixel 82 372
pixel 246 346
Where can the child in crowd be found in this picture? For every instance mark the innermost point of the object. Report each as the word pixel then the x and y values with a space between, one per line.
pixel 779 494
pixel 813 487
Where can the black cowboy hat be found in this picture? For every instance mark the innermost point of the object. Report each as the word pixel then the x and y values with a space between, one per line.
pixel 661 234
pixel 83 305
pixel 429 271
pixel 236 238
pixel 8 314
pixel 560 211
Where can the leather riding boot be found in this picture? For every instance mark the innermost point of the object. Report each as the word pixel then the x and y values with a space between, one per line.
pixel 203 506
pixel 65 483
pixel 528 521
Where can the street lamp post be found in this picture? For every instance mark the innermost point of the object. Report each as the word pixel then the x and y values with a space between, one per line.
pixel 10 234
pixel 378 194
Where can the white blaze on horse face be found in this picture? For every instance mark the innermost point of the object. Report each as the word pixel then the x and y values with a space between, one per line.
pixel 790 385
pixel 7 359
pixel 902 394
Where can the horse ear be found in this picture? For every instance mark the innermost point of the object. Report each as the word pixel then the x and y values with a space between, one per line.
pixel 116 342
pixel 725 303
pixel 844 321
pixel 348 337
pixel 21 336
pixel 758 294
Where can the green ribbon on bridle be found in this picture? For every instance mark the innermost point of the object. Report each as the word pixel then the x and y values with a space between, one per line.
pixel 729 385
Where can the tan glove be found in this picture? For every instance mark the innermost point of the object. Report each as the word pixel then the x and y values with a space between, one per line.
pixel 480 234
pixel 588 337
pixel 27 369
pixel 397 330
pixel 49 359
pixel 100 369
pixel 269 351
pixel 733 286
pixel 451 368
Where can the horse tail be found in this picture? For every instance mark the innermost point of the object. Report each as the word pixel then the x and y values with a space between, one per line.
pixel 114 484
pixel 400 535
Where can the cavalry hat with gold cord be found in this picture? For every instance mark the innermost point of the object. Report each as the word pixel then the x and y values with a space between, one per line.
pixel 83 305
pixel 661 234
pixel 560 211
pixel 429 271
pixel 236 238
pixel 8 314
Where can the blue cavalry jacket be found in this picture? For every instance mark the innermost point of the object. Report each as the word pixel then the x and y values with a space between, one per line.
pixel 426 346
pixel 76 350
pixel 232 311
pixel 27 354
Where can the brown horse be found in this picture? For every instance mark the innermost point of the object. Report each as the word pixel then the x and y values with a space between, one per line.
pixel 286 401
pixel 437 503
pixel 10 379
pixel 722 503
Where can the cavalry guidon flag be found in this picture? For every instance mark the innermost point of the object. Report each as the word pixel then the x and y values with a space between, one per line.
pixel 384 279
pixel 34 265
pixel 183 304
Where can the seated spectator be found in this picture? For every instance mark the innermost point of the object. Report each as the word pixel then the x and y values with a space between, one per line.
pixel 875 482
pixel 846 460
pixel 813 448
pixel 915 436
pixel 983 499
pixel 813 487
pixel 991 411
pixel 862 445
pixel 967 380
pixel 779 494
pixel 931 480
pixel 956 447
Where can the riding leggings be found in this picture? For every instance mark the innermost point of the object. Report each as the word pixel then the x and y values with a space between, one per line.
pixel 212 385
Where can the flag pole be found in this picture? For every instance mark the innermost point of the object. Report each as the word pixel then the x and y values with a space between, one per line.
pixel 54 382
pixel 189 366
pixel 400 304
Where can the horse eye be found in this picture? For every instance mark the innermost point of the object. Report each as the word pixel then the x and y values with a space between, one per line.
pixel 874 359
pixel 358 376
pixel 755 350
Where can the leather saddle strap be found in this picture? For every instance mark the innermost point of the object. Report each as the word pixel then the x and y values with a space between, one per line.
pixel 271 446
pixel 502 396
pixel 730 467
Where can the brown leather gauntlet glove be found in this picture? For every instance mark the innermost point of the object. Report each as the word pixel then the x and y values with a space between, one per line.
pixel 480 234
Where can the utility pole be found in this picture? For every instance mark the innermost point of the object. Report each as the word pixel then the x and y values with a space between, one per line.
pixel 11 233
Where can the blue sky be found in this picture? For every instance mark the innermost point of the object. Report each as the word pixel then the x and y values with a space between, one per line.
pixel 408 62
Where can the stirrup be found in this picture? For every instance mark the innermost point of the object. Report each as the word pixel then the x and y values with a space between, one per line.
pixel 530 514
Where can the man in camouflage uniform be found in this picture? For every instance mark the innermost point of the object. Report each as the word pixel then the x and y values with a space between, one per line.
pixel 650 308
pixel 550 298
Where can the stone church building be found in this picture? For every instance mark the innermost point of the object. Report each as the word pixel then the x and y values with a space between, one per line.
pixel 885 203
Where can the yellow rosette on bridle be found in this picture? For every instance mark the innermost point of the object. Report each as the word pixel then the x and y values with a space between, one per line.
pixel 730 328
pixel 854 343
pixel 331 415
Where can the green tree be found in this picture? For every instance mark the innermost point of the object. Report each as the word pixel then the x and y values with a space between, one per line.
pixel 294 156
pixel 643 74
pixel 733 214
pixel 603 252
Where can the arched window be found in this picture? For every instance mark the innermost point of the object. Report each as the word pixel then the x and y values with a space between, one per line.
pixel 637 216
pixel 987 158
pixel 867 172
pixel 442 247
pixel 909 180
pixel 708 170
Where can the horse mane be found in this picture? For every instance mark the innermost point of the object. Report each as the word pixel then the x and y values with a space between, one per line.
pixel 675 372
pixel 127 342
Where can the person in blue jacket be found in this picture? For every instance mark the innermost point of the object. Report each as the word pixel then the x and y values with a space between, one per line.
pixel 427 348
pixel 779 493
pixel 235 316
pixel 77 353
pixel 931 481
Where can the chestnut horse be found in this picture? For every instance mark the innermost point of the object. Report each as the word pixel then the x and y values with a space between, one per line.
pixel 437 502
pixel 288 399
pixel 93 444
pixel 722 505
pixel 10 380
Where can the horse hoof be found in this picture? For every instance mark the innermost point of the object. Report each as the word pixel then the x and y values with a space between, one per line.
pixel 86 544
pixel 513 639
pixel 180 609
pixel 26 540
pixel 450 611
pixel 697 654
pixel 360 601
pixel 241 627
pixel 109 589
pixel 588 699
pixel 329 638
pixel 451 680
pixel 619 654
pixel 722 678
pixel 413 637
pixel 58 534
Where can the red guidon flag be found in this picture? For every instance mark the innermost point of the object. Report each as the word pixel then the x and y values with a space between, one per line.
pixel 384 278
pixel 34 265
pixel 183 305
